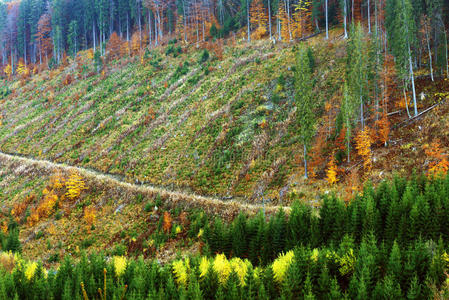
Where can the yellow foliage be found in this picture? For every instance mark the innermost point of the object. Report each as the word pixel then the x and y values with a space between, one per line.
pixel 89 215
pixel 180 270
pixel 75 185
pixel 178 229
pixel 347 263
pixel 363 146
pixel 120 264
pixel 30 270
pixel 281 265
pixel 331 173
pixel 8 70
pixel 315 254
pixel 222 267
pixel 204 266
pixel 240 267
pixel 45 208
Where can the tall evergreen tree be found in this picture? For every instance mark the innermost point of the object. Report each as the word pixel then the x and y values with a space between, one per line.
pixel 304 101
pixel 357 67
pixel 401 30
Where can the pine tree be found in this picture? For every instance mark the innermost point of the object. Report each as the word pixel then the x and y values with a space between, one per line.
pixel 394 266
pixel 304 101
pixel 401 29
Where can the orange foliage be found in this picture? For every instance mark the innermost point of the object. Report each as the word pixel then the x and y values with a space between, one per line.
pixel 90 214
pixel 113 46
pixel 363 146
pixel 284 21
pixel 67 80
pixel 316 154
pixel 167 222
pixel 302 18
pixel 136 43
pixel 43 36
pixel 439 164
pixel 20 208
pixel 258 19
pixel 383 128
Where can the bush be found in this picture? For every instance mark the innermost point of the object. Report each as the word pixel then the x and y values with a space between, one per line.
pixel 204 57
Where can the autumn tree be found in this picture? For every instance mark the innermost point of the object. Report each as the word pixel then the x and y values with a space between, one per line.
pixel 383 128
pixel 304 100
pixel 331 172
pixel 258 19
pixel 439 164
pixel 8 71
pixel 44 37
pixel 363 146
pixel 113 46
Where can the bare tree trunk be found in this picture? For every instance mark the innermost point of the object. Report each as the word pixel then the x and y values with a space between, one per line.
pixel 305 162
pixel 185 20
pixel 369 17
pixel 430 53
pixel 150 34
pixel 248 21
pixel 127 27
pixel 269 18
pixel 413 80
pixel 327 18
pixel 93 36
pixel 345 17
pixel 406 103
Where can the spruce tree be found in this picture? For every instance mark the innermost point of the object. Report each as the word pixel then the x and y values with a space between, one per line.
pixel 401 30
pixel 357 67
pixel 304 101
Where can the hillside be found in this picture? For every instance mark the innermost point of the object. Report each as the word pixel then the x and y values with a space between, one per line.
pixel 223 127
pixel 180 126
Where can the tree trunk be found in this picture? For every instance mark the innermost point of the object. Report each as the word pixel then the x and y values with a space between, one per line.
pixel 156 33
pixel 127 27
pixel 287 4
pixel 185 20
pixel 413 80
pixel 150 34
pixel 247 21
pixel 369 18
pixel 362 119
pixel 140 24
pixel 406 103
pixel 305 162
pixel 430 53
pixel 269 18
pixel 345 17
pixel 327 18
pixel 93 36
pixel 447 61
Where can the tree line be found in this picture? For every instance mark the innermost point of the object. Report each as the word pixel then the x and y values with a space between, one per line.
pixel 36 30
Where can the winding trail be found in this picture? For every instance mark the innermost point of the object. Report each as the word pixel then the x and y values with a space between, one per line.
pixel 115 185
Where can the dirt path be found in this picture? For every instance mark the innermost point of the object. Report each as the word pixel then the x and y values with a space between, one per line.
pixel 117 188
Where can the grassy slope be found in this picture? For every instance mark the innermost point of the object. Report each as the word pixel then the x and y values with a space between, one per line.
pixel 205 136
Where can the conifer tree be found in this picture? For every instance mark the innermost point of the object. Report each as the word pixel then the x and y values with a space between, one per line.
pixel 357 67
pixel 304 101
pixel 401 29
